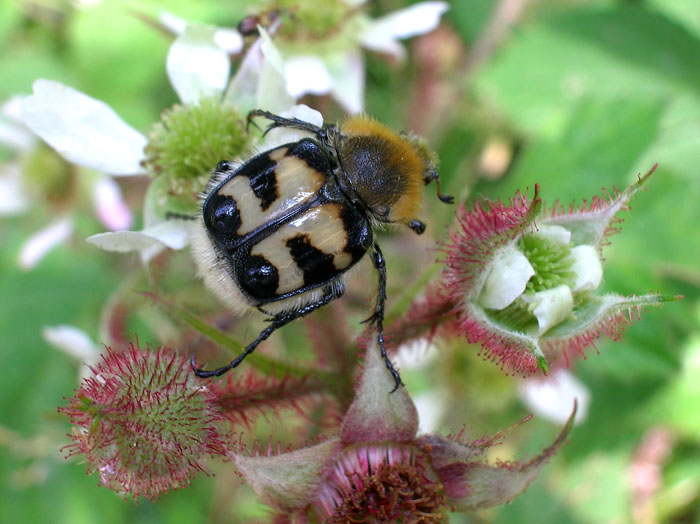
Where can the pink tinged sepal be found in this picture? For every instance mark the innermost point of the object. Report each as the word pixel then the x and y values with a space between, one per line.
pixel 605 315
pixel 471 485
pixel 377 414
pixel 591 223
pixel 483 234
pixel 287 482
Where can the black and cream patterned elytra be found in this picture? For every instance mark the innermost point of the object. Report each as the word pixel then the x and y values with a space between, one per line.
pixel 284 224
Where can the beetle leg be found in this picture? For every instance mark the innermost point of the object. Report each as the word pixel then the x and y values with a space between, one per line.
pixel 447 199
pixel 277 321
pixel 417 226
pixel 279 121
pixel 377 317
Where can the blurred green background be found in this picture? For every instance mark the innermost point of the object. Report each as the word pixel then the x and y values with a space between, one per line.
pixel 576 96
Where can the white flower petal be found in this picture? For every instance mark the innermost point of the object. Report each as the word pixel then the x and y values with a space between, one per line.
pixel 284 135
pixel 384 46
pixel 307 74
pixel 109 204
pixel 415 354
pixel 12 109
pixel 122 241
pixel 270 51
pixel 272 93
pixel 83 130
pixel 172 233
pixel 555 234
pixel 354 3
pixel 507 279
pixel 552 306
pixel 73 341
pixel 381 34
pixel 348 79
pixel 196 65
pixel 148 242
pixel 305 113
pixel 587 267
pixel 16 137
pixel 243 88
pixel 172 22
pixel 553 397
pixel 431 408
pixel 13 132
pixel 259 81
pixel 229 39
pixel 415 20
pixel 13 197
pixel 41 243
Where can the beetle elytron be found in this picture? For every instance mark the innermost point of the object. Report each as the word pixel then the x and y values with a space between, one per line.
pixel 279 232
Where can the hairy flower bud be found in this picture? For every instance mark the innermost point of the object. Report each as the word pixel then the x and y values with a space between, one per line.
pixel 143 422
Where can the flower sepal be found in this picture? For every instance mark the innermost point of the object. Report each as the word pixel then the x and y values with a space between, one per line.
pixel 470 485
pixel 286 480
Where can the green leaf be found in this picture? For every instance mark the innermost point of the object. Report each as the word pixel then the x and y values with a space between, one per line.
pixel 592 151
pixel 621 53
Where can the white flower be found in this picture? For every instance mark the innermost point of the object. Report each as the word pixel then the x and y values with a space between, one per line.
pixel 89 133
pixel 341 73
pixel 15 199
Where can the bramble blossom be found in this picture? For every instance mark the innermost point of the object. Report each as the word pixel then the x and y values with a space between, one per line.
pixel 321 43
pixel 522 279
pixel 38 178
pixel 210 121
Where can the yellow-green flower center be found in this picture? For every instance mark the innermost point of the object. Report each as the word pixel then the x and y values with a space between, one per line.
pixel 310 20
pixel 188 143
pixel 551 262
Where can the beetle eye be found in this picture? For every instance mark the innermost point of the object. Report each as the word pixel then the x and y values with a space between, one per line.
pixel 223 215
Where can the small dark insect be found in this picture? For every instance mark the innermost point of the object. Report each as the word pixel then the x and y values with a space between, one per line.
pixel 248 26
pixel 279 232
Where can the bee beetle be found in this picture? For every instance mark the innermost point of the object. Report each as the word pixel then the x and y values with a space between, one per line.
pixel 279 232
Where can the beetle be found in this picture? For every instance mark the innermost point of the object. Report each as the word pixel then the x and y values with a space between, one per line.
pixel 279 232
